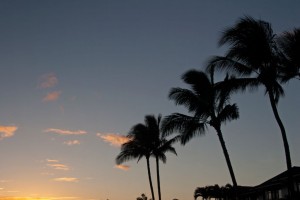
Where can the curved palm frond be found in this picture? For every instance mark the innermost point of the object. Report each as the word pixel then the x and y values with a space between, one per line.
pixel 187 126
pixel 188 99
pixel 250 41
pixel 220 63
pixel 289 44
pixel 228 113
pixel 199 82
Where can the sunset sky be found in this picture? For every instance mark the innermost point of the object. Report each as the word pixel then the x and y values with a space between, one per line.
pixel 77 75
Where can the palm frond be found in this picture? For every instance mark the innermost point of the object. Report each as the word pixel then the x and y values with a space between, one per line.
pixel 220 63
pixel 250 41
pixel 198 80
pixel 228 113
pixel 289 44
pixel 187 126
pixel 233 85
pixel 186 98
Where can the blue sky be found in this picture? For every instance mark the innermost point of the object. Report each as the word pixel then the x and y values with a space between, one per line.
pixel 77 74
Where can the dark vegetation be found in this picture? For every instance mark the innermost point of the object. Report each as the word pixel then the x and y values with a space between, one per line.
pixel 256 57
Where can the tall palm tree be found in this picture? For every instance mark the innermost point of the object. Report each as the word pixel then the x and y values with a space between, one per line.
pixel 161 146
pixel 209 105
pixel 146 140
pixel 259 58
pixel 139 146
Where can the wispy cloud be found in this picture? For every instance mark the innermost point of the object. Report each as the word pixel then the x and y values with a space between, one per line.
pixel 52 96
pixel 72 142
pixel 52 161
pixel 54 164
pixel 113 138
pixel 67 179
pixel 59 166
pixel 65 132
pixel 47 80
pixel 7 131
pixel 122 167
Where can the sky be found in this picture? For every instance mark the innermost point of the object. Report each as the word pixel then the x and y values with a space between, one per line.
pixel 77 75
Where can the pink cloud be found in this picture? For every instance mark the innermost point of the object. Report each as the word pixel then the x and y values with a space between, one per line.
pixel 47 80
pixel 72 142
pixel 65 132
pixel 123 167
pixel 7 131
pixel 52 96
pixel 67 179
pixel 113 139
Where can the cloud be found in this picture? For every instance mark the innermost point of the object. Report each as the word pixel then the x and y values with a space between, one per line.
pixel 7 131
pixel 59 166
pixel 52 96
pixel 113 139
pixel 51 160
pixel 72 142
pixel 65 132
pixel 122 167
pixel 67 179
pixel 47 81
pixel 56 165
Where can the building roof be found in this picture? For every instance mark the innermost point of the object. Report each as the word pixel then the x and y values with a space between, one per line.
pixel 280 178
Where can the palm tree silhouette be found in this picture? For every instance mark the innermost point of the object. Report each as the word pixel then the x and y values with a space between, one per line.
pixel 289 46
pixel 259 58
pixel 209 105
pixel 139 146
pixel 146 141
pixel 161 146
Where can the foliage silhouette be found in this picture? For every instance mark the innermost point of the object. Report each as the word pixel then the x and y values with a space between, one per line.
pixel 137 147
pixel 209 105
pixel 260 58
pixel 146 140
pixel 215 191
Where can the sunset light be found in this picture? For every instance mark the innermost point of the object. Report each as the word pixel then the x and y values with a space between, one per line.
pixel 149 99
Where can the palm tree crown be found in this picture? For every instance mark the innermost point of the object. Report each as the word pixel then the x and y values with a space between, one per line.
pixel 208 103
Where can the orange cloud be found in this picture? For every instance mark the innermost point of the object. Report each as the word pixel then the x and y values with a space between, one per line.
pixel 59 166
pixel 123 167
pixel 51 160
pixel 72 142
pixel 65 132
pixel 56 165
pixel 113 139
pixel 47 81
pixel 52 96
pixel 7 131
pixel 67 179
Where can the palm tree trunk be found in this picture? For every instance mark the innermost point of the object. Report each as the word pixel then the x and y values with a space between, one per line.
pixel 150 179
pixel 158 178
pixel 219 133
pixel 285 144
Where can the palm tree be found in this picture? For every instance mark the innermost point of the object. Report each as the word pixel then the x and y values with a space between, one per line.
pixel 259 58
pixel 146 141
pixel 289 46
pixel 139 146
pixel 209 105
pixel 162 145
